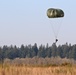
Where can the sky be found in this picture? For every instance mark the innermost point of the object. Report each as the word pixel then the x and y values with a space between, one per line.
pixel 26 22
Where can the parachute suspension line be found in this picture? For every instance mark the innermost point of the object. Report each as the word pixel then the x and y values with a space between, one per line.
pixel 59 24
pixel 53 31
pixel 55 26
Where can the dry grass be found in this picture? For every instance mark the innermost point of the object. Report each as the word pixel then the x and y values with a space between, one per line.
pixel 35 70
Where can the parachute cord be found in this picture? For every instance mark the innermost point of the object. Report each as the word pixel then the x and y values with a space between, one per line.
pixel 56 35
pixel 59 23
pixel 54 32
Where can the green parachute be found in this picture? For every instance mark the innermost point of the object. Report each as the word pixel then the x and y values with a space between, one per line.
pixel 55 13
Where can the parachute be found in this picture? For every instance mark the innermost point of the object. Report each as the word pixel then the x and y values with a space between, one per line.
pixel 55 13
pixel 55 16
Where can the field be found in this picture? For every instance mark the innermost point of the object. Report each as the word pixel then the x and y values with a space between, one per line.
pixel 38 66
pixel 37 70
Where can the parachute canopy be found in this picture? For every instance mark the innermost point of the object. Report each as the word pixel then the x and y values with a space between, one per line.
pixel 55 13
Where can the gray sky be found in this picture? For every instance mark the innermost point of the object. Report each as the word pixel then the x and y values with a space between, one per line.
pixel 25 22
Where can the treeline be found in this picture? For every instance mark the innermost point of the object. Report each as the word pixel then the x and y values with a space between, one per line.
pixel 63 51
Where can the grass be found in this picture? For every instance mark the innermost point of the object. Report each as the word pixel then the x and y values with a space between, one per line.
pixel 37 70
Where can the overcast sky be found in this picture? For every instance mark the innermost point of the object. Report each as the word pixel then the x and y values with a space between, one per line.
pixel 25 22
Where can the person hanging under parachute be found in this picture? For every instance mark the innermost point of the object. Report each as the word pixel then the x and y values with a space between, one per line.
pixel 54 13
